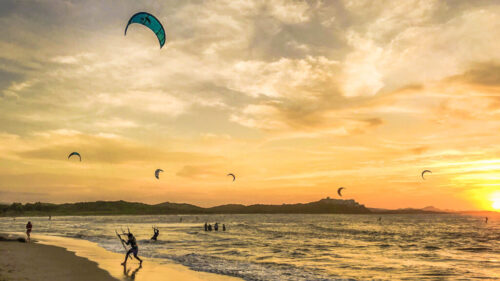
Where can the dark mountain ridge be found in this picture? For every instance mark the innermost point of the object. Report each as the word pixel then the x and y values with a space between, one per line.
pixel 323 206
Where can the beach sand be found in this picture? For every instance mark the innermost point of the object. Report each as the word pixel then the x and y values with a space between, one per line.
pixel 32 261
pixel 66 259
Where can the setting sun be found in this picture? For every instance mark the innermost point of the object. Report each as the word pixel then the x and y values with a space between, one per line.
pixel 495 200
pixel 496 205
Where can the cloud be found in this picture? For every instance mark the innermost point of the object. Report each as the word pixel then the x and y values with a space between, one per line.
pixel 72 59
pixel 360 68
pixel 199 172
pixel 424 46
pixel 8 196
pixel 420 149
pixel 102 148
pixel 290 12
pixel 7 78
pixel 290 93
pixel 374 122
pixel 486 74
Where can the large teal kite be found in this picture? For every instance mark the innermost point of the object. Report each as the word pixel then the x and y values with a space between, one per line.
pixel 150 22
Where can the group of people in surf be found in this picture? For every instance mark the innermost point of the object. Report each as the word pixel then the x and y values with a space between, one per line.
pixel 208 227
pixel 130 239
pixel 134 249
pixel 132 242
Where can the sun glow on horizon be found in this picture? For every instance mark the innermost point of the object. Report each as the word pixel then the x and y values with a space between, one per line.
pixel 495 199
pixel 496 205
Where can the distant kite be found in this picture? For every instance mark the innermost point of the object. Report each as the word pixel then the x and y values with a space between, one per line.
pixel 339 191
pixel 232 175
pixel 75 153
pixel 150 22
pixel 157 173
pixel 425 171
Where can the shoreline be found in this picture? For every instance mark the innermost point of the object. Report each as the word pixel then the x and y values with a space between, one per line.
pixel 67 259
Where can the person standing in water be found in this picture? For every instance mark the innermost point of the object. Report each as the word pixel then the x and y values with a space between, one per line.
pixel 206 226
pixel 486 220
pixel 29 227
pixel 133 250
pixel 156 233
pixel 223 227
pixel 216 226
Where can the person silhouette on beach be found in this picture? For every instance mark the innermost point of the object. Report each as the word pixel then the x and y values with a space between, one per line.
pixel 29 227
pixel 156 233
pixel 209 227
pixel 133 250
pixel 216 226
pixel 486 220
pixel 206 226
pixel 223 227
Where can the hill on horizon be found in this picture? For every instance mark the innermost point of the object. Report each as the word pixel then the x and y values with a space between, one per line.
pixel 323 206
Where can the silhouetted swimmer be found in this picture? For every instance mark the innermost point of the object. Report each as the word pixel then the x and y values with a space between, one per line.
pixel 29 227
pixel 209 227
pixel 133 250
pixel 206 226
pixel 216 226
pixel 223 227
pixel 156 233
pixel 486 220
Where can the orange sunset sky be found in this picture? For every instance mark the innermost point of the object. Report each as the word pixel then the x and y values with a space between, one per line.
pixel 296 98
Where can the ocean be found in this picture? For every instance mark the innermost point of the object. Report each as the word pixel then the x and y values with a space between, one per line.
pixel 301 247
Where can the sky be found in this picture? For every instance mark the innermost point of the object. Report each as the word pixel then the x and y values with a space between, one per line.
pixel 296 98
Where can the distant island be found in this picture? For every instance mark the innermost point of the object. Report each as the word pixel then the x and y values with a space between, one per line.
pixel 323 206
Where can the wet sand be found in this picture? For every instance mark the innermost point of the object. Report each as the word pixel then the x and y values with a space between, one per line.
pixel 66 259
pixel 32 261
